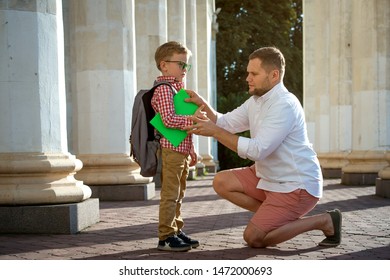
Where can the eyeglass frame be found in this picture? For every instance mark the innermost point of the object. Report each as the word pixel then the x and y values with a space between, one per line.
pixel 182 65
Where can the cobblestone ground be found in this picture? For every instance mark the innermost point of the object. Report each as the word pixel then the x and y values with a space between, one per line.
pixel 128 230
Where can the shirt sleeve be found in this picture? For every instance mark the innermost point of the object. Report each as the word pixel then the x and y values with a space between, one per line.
pixel 235 121
pixel 167 111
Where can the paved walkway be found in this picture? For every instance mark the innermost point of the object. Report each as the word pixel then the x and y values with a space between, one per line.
pixel 127 230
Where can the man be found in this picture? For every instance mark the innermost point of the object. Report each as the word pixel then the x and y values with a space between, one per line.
pixel 285 183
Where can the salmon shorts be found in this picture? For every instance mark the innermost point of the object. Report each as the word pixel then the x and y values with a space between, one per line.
pixel 276 209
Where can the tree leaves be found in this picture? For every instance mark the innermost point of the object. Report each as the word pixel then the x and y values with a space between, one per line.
pixel 244 26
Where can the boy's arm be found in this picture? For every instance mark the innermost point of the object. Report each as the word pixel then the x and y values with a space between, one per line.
pixel 167 110
pixel 194 156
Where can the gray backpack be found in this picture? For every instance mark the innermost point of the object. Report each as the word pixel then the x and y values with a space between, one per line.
pixel 144 142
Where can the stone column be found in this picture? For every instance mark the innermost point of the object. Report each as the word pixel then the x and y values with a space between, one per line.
pixel 370 87
pixel 383 181
pixel 36 169
pixel 204 12
pixel 340 91
pixel 327 67
pixel 345 86
pixel 383 29
pixel 213 70
pixel 192 76
pixel 103 86
pixel 151 29
pixel 176 20
pixel 191 43
pixel 177 31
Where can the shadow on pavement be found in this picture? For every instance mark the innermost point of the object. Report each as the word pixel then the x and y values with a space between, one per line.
pixel 195 254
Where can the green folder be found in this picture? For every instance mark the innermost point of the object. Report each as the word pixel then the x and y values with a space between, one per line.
pixel 174 135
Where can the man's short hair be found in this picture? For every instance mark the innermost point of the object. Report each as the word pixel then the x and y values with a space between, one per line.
pixel 271 58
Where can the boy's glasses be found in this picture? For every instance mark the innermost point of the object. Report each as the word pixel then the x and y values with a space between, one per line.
pixel 182 65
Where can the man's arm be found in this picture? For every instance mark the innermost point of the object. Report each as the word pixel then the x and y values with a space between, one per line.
pixel 226 138
pixel 204 126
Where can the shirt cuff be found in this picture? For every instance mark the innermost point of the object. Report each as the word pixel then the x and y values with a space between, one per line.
pixel 242 147
pixel 219 115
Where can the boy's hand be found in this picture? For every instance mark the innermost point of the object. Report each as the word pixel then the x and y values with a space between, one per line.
pixel 200 114
pixel 194 156
pixel 198 100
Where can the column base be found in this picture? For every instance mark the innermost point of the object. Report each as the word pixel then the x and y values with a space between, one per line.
pixel 200 169
pixel 332 164
pixel 40 178
pixel 382 188
pixel 358 179
pixel 210 166
pixel 49 219
pixel 110 169
pixel 130 192
pixel 192 173
pixel 331 173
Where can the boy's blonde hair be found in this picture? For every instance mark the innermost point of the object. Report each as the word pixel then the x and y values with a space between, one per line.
pixel 167 50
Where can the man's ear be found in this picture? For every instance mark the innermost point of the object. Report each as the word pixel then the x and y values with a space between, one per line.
pixel 275 75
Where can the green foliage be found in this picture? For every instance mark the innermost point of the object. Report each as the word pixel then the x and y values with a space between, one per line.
pixel 227 158
pixel 244 26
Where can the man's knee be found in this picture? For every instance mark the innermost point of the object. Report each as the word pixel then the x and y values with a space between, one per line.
pixel 254 237
pixel 249 240
pixel 219 182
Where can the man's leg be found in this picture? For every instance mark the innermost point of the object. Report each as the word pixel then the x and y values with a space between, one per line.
pixel 280 218
pixel 227 185
pixel 259 239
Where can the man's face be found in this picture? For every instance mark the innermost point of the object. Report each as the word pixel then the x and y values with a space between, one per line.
pixel 259 80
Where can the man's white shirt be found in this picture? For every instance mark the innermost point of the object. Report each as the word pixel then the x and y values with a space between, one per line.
pixel 279 145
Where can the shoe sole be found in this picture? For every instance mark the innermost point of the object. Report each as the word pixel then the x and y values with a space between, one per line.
pixel 193 246
pixel 173 249
pixel 188 241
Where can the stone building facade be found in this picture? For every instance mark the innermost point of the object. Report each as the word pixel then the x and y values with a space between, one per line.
pixel 347 88
pixel 70 69
pixel 69 73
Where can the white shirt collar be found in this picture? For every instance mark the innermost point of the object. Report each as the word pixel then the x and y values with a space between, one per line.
pixel 268 95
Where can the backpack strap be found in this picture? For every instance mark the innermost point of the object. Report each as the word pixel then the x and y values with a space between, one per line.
pixel 156 84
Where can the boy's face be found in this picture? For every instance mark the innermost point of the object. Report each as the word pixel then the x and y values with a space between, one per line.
pixel 176 66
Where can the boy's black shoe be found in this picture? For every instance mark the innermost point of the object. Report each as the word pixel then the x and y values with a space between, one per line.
pixel 173 243
pixel 188 240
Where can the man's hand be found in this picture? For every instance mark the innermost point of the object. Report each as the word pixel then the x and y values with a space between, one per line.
pixel 194 98
pixel 198 100
pixel 202 124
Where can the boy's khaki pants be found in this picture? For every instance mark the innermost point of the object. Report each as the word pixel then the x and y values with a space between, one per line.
pixel 175 168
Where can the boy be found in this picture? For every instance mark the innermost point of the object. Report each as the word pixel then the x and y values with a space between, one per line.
pixel 171 59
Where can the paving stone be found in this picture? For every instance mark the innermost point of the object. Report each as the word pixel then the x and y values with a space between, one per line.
pixel 128 230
